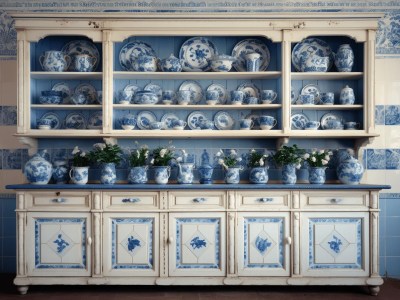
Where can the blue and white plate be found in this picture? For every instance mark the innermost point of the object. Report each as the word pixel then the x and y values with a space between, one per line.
pixel 75 121
pixel 81 47
pixel 95 120
pixel 248 46
pixel 145 118
pixel 196 54
pixel 311 89
pixel 223 95
pixel 131 51
pixel 156 89
pixel 131 89
pixel 309 47
pixel 55 120
pixel 167 120
pixel 194 119
pixel 223 121
pixel 298 121
pixel 249 89
pixel 64 88
pixel 327 117
pixel 89 90
pixel 195 88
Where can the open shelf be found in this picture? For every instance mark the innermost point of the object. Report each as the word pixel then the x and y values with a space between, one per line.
pixel 327 75
pixel 67 75
pixel 197 106
pixel 66 106
pixel 326 107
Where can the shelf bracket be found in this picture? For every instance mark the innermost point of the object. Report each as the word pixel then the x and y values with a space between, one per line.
pixel 282 141
pixel 30 142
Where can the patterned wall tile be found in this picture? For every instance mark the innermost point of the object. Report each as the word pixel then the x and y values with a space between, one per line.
pixel 376 159
pixel 388 35
pixel 393 159
pixel 9 116
pixel 8 36
pixel 12 159
pixel 392 115
pixel 380 114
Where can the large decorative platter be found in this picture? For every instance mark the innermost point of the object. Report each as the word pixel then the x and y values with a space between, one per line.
pixel 196 54
pixel 248 46
pixel 145 118
pixel 249 89
pixel 308 47
pixel 64 88
pixel 155 88
pixel 223 120
pixel 75 121
pixel 194 119
pixel 311 89
pixel 131 89
pixel 95 120
pixel 55 120
pixel 329 116
pixel 131 51
pixel 195 89
pixel 223 95
pixel 88 89
pixel 167 120
pixel 298 121
pixel 81 47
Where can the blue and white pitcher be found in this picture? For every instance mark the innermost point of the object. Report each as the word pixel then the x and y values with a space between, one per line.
pixel 162 174
pixel 258 175
pixel 79 175
pixel 138 175
pixel 185 173
pixel 108 173
pixel 54 61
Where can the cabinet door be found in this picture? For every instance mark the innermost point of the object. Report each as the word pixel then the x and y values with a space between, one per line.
pixel 130 244
pixel 57 244
pixel 197 244
pixel 262 244
pixel 334 244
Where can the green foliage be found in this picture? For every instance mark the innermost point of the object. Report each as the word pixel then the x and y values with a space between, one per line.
pixel 106 153
pixel 162 156
pixel 288 155
pixel 138 157
pixel 80 158
pixel 318 158
pixel 256 159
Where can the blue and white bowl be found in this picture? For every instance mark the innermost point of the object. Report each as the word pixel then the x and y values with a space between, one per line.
pixel 145 97
pixel 312 125
pixel 128 122
pixel 51 97
pixel 315 63
pixel 222 63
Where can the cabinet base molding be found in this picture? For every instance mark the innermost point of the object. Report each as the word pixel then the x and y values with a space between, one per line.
pixel 233 281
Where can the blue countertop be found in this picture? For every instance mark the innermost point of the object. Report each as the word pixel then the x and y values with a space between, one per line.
pixel 196 186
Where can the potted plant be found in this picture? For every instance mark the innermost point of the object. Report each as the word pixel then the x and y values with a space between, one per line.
pixel 79 172
pixel 231 164
pixel 316 162
pixel 108 155
pixel 289 158
pixel 138 162
pixel 259 169
pixel 185 169
pixel 160 161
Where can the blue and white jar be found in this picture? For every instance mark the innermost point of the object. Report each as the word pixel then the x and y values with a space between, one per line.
pixel 258 175
pixel 60 172
pixel 232 175
pixel 145 63
pixel 54 61
pixel 347 96
pixel 185 173
pixel 171 64
pixel 289 174
pixel 206 173
pixel 316 175
pixel 38 170
pixel 108 173
pixel 344 58
pixel 350 171
pixel 138 174
pixel 84 62
pixel 79 175
pixel 162 174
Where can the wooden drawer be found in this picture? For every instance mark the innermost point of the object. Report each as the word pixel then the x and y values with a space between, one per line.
pixel 262 199
pixel 58 200
pixel 131 200
pixel 334 199
pixel 193 200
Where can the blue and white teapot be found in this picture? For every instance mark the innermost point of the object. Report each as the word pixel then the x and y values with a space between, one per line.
pixel 145 63
pixel 54 61
pixel 171 64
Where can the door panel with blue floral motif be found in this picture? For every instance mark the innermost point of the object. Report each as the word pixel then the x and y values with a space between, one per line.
pixel 262 244
pixel 337 242
pixel 197 244
pixel 130 244
pixel 60 244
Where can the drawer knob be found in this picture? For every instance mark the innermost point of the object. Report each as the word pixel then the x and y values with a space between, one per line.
pixel 199 200
pixel 265 200
pixel 170 239
pixel 288 240
pixel 131 200
pixel 59 200
pixel 336 200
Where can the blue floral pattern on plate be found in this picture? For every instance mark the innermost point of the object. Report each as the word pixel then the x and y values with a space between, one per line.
pixel 326 117
pixel 298 121
pixel 131 51
pixel 145 118
pixel 64 88
pixel 195 89
pixel 95 120
pixel 309 47
pixel 75 121
pixel 223 120
pixel 196 54
pixel 55 120
pixel 167 119
pixel 194 119
pixel 248 46
pixel 81 47
pixel 89 90
pixel 223 95
pixel 155 88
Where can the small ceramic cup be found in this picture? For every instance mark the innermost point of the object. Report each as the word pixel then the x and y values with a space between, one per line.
pixel 334 124
pixel 156 125
pixel 246 124
pixel 351 125
pixel 124 97
pixel 206 125
pixel 306 99
pixel 252 62
pixel 178 124
pixel 327 98
pixel 312 125
pixel 268 96
pixel 212 95
pixel 43 124
pixel 168 95
pixel 183 97
pixel 251 100
pixel 237 97
pixel 266 122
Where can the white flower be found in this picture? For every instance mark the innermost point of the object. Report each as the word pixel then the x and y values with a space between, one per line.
pixel 109 142
pixel 233 152
pixel 152 161
pixel 184 153
pixel 146 154
pixel 298 166
pixel 99 146
pixel 137 153
pixel 265 155
pixel 252 150
pixel 239 159
pixel 179 159
pixel 314 152
pixel 261 162
pixel 313 159
pixel 327 157
pixel 321 151
pixel 83 154
pixel 218 154
pixel 330 152
pixel 163 152
pixel 220 161
pixel 324 162
pixel 75 151
pixel 307 155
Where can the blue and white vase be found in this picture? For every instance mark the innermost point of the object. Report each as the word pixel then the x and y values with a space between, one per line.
pixel 347 96
pixel 108 173
pixel 289 174
pixel 38 170
pixel 344 58
pixel 162 174
pixel 258 175
pixel 60 171
pixel 171 64
pixel 232 175
pixel 138 174
pixel 206 172
pixel 350 171
pixel 79 175
pixel 316 175
pixel 185 173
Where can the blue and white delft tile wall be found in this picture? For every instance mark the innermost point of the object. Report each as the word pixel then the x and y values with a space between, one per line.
pixel 381 158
